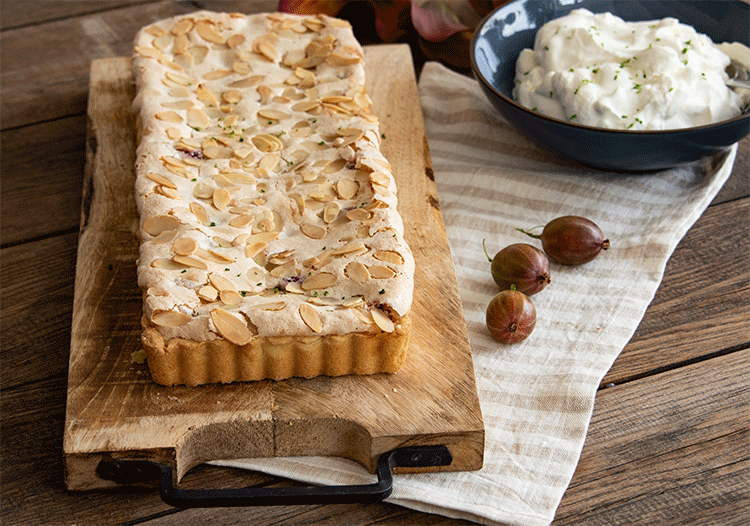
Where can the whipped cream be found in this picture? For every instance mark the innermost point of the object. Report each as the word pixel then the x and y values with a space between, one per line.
pixel 598 70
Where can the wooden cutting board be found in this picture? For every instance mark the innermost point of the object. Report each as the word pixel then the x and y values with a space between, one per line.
pixel 115 411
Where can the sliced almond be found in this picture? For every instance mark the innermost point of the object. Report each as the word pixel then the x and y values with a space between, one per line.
pixel 353 301
pixel 230 297
pixel 246 82
pixel 217 74
pixel 389 256
pixel 164 237
pixel 182 27
pixel 363 315
pixel 235 40
pixel 357 272
pixel 197 119
pixel 331 212
pixel 203 191
pixel 347 188
pixel 160 179
pixel 231 327
pixel 207 32
pixel 271 114
pixel 200 213
pixel 382 320
pixel 255 275
pixel 241 221
pixel 169 116
pixel 232 96
pixel 263 236
pixel 254 249
pixel 358 214
pixel 321 280
pixel 170 318
pixel 205 96
pixel 184 246
pixel 208 293
pixel 190 261
pixel 198 53
pixel 221 198
pixel 273 306
pixel 155 225
pixel 313 231
pixel 381 272
pixel 311 317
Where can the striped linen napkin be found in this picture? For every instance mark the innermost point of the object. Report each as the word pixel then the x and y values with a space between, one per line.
pixel 537 396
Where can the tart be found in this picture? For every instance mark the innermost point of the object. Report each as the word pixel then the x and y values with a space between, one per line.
pixel 270 242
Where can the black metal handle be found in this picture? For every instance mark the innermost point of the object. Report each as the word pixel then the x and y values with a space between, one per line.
pixel 140 471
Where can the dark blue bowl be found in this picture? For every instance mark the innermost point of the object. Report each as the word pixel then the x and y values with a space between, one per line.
pixel 512 27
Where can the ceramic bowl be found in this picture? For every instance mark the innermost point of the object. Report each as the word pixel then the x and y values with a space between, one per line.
pixel 512 27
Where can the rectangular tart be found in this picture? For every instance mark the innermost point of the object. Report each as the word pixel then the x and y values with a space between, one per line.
pixel 270 242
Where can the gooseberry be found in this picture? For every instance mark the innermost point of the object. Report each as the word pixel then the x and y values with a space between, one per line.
pixel 521 265
pixel 511 316
pixel 571 240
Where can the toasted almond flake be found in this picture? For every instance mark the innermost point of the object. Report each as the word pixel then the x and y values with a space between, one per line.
pixel 170 318
pixel 197 119
pixel 155 30
pixel 266 237
pixel 235 40
pixel 232 96
pixel 358 214
pixel 213 255
pixel 255 275
pixel 306 106
pixel 203 191
pixel 241 221
pixel 218 74
pixel 353 301
pixel 182 27
pixel 221 198
pixel 294 288
pixel 347 188
pixel 363 315
pixel 230 297
pixel 357 272
pixel 184 246
pixel 155 225
pixel 149 52
pixel 271 114
pixel 240 240
pixel 231 327
pixel 336 60
pixel 190 261
pixel 243 153
pixel 241 68
pixel 208 293
pixel 207 32
pixel 198 53
pixel 350 248
pixel 173 133
pixel 200 213
pixel 246 82
pixel 382 320
pixel 272 306
pixel 266 50
pixel 221 283
pixel 205 96
pixel 166 264
pixel 169 116
pixel 180 46
pixel 380 178
pixel 321 280
pixel 267 143
pixel 164 237
pixel 162 42
pixel 311 317
pixel 283 270
pixel 334 166
pixel 299 201
pixel 217 152
pixel 255 248
pixel 160 179
pixel 389 256
pixel 331 212
pixel 179 79
pixel 363 232
pixel 381 272
pixel 313 231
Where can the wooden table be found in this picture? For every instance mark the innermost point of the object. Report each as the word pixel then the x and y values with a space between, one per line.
pixel 669 441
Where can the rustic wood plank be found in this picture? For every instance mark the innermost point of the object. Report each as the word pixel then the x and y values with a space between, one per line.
pixel 42 167
pixel 55 83
pixel 671 449
pixel 19 13
pixel 38 278
pixel 32 470
pixel 703 303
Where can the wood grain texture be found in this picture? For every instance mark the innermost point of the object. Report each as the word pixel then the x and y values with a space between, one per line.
pixel 672 449
pixel 113 406
pixel 29 12
pixel 705 293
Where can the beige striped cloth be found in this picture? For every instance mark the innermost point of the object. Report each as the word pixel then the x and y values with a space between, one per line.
pixel 536 396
